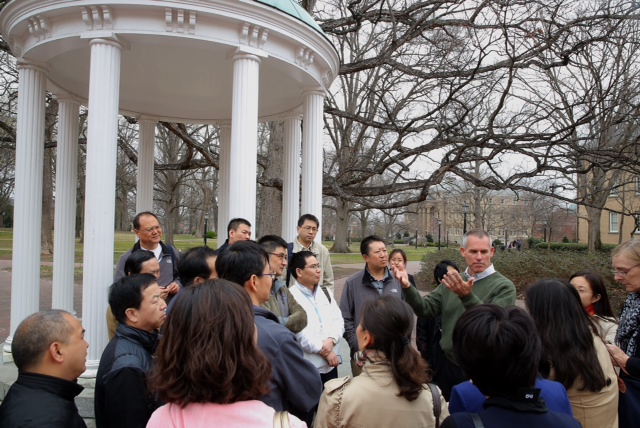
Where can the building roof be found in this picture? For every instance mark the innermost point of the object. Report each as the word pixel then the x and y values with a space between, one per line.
pixel 292 8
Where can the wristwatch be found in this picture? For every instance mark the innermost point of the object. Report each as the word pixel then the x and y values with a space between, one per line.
pixel 334 340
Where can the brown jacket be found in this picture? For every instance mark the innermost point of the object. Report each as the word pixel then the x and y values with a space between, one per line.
pixel 371 400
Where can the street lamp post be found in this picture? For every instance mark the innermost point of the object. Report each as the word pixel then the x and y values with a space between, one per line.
pixel 439 225
pixel 544 225
pixel 206 225
pixel 416 239
pixel 465 210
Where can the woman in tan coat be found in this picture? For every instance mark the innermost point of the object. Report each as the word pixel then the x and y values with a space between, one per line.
pixel 392 390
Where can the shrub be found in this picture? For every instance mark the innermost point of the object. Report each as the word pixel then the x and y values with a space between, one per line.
pixel 561 246
pixel 526 267
pixel 211 235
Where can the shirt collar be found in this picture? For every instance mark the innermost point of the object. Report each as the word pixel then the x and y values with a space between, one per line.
pixel 485 273
pixel 309 248
pixel 305 290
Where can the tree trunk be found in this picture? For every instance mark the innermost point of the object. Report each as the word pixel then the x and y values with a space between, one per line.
pixel 340 245
pixel 46 237
pixel 269 218
pixel 593 221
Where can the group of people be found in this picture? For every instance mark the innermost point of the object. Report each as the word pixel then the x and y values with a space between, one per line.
pixel 249 336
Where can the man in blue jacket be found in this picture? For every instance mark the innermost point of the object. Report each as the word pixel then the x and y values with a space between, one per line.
pixel 296 385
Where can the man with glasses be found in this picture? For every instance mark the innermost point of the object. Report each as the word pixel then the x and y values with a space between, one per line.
pixel 296 385
pixel 149 232
pixel 308 225
pixel 281 302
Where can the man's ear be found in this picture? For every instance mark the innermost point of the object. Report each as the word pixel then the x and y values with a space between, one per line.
pixel 198 280
pixel 55 352
pixel 252 284
pixel 132 315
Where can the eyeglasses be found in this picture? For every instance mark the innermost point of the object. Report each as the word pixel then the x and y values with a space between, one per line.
pixel 623 273
pixel 282 256
pixel 310 228
pixel 151 229
pixel 272 275
pixel 314 267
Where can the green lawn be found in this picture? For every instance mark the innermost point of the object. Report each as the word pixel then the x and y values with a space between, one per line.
pixel 124 240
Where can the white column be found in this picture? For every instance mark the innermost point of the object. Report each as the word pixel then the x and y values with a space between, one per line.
pixel 291 177
pixel 312 160
pixel 65 212
pixel 243 156
pixel 100 193
pixel 27 214
pixel 146 144
pixel 224 175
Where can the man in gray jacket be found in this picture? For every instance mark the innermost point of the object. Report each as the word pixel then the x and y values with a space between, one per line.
pixel 374 280
pixel 281 302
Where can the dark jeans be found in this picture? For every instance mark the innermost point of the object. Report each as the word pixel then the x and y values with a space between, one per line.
pixel 447 375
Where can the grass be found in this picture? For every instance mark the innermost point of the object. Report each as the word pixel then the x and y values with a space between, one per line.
pixel 124 240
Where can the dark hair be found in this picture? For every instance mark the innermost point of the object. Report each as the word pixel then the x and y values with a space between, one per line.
pixel 271 242
pixel 389 320
pixel 566 333
pixel 497 348
pixel 35 334
pixel 299 261
pixel 193 264
pixel 133 264
pixel 366 242
pixel 442 268
pixel 208 352
pixel 235 223
pixel 127 293
pixel 401 252
pixel 136 219
pixel 241 260
pixel 309 217
pixel 602 307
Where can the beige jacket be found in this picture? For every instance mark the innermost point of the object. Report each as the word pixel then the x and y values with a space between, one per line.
pixel 371 400
pixel 607 328
pixel 596 409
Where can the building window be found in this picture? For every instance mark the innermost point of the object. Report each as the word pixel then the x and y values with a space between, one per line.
pixel 614 188
pixel 613 222
pixel 637 217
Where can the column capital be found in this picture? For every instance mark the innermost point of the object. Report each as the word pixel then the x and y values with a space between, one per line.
pixel 105 38
pixel 144 118
pixel 246 52
pixel 27 64
pixel 313 90
pixel 65 97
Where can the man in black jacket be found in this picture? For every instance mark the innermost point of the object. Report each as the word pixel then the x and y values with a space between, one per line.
pixel 50 352
pixel 122 398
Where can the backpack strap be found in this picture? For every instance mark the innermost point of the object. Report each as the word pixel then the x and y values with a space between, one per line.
pixel 326 292
pixel 289 255
pixel 437 404
pixel 477 422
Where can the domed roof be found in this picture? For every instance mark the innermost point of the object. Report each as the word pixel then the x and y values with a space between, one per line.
pixel 291 7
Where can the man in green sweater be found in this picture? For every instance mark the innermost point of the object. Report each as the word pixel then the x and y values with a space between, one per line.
pixel 479 284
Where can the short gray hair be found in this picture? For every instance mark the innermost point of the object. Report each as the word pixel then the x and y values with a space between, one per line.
pixel 36 333
pixel 478 233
